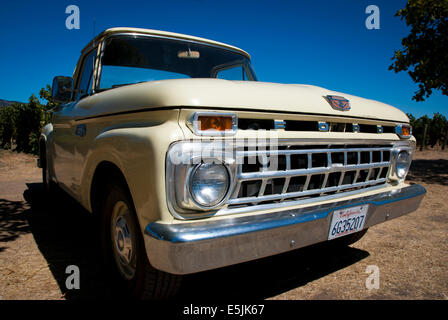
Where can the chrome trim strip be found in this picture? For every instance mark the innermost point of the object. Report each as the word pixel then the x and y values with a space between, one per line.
pixel 310 151
pixel 342 141
pixel 173 38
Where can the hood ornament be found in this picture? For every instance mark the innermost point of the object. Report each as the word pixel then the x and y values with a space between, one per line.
pixel 338 103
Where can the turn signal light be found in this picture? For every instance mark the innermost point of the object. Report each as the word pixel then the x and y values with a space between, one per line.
pixel 214 123
pixel 218 123
pixel 406 131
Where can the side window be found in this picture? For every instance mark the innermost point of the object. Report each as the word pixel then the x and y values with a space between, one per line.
pixel 85 81
pixel 233 73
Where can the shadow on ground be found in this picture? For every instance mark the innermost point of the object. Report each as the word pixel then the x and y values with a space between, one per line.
pixel 66 235
pixel 13 220
pixel 429 171
pixel 270 276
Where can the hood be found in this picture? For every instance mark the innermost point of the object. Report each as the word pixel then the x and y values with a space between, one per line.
pixel 244 95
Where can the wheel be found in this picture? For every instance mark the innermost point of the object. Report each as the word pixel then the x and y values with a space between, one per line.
pixel 124 249
pixel 348 239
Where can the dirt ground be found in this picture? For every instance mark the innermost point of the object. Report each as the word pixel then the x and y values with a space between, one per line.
pixel 39 239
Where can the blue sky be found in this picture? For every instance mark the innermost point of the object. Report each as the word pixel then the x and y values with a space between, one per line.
pixel 323 43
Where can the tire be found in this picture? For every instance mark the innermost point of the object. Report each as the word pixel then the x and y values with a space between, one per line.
pixel 348 239
pixel 124 250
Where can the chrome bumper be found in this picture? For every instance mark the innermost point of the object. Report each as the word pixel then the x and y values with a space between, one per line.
pixel 203 245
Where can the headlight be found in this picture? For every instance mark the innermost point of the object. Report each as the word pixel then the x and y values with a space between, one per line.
pixel 201 178
pixel 209 183
pixel 402 164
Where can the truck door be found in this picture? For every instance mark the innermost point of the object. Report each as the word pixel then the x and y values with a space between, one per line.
pixel 68 132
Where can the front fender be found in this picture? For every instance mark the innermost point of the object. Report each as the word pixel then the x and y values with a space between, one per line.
pixel 139 152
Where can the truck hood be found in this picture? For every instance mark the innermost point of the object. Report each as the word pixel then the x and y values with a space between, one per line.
pixel 244 95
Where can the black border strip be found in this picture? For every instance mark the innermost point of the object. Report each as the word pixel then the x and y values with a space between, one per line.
pixel 223 108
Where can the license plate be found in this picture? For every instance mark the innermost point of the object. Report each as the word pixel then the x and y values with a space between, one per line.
pixel 347 221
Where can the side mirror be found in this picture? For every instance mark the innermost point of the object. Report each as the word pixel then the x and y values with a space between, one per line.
pixel 62 89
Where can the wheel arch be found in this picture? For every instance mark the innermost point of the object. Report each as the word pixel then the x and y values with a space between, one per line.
pixel 106 172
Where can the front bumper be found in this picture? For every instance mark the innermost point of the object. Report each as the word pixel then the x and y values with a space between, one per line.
pixel 185 248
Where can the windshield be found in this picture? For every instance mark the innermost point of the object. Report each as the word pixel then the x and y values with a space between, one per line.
pixel 134 59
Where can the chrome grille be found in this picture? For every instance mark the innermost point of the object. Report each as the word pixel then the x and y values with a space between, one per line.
pixel 298 172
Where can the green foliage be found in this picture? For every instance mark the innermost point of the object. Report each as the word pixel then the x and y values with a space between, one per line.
pixel 45 94
pixel 7 126
pixel 436 129
pixel 424 54
pixel 29 121
pixel 21 123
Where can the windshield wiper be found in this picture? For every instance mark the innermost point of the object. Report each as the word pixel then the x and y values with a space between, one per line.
pixel 118 86
pixel 125 84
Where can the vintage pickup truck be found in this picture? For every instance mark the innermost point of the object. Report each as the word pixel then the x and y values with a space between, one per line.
pixel 192 164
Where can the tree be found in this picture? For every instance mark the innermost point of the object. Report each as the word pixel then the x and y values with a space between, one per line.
pixel 424 53
pixel 8 116
pixel 29 121
pixel 45 94
pixel 437 129
pixel 418 127
pixel 411 119
pixel 21 123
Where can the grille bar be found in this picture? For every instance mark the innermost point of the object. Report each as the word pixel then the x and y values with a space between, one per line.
pixel 307 151
pixel 288 179
pixel 303 193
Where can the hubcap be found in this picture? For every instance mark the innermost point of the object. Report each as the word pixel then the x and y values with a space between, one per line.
pixel 123 239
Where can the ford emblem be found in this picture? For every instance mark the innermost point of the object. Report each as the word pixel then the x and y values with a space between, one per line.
pixel 338 103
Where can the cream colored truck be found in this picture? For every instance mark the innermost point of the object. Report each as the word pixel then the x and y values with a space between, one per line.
pixel 193 164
